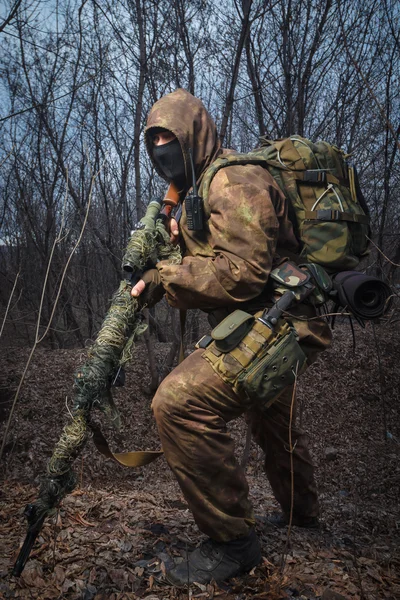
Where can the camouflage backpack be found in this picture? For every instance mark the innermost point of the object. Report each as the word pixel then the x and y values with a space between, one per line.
pixel 326 206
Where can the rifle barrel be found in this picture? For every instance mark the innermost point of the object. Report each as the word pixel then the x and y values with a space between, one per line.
pixel 34 529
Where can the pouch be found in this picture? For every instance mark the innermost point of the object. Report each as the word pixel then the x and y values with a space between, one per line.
pixel 232 330
pixel 257 360
pixel 274 370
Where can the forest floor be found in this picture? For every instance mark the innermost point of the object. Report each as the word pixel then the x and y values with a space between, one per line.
pixel 118 532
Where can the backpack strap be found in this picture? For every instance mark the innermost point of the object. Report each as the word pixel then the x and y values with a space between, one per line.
pixel 318 177
pixel 226 161
pixel 307 176
pixel 335 215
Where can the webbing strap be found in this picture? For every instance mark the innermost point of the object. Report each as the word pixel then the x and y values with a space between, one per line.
pixel 318 177
pixel 127 459
pixel 352 185
pixel 335 215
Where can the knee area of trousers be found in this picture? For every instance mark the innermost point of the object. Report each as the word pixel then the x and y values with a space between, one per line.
pixel 169 401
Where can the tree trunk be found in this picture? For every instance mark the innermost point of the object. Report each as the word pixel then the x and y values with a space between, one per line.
pixel 246 6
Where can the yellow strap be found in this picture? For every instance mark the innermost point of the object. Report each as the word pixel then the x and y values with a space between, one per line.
pixel 352 185
pixel 332 179
pixel 127 459
pixel 210 355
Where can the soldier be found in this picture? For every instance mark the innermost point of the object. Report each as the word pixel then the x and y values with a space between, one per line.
pixel 226 266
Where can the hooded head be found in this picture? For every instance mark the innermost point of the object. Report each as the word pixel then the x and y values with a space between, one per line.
pixel 187 118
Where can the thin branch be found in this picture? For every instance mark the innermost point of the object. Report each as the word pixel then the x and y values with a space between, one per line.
pixel 57 240
pixel 384 255
pixel 321 316
pixel 94 177
pixel 37 339
pixel 6 157
pixel 41 105
pixel 9 303
pixel 11 15
pixel 366 82
pixel 291 450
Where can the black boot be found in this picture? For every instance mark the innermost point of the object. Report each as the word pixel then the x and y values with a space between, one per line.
pixel 281 520
pixel 217 560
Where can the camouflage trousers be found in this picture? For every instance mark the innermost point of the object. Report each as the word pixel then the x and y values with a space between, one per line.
pixel 192 408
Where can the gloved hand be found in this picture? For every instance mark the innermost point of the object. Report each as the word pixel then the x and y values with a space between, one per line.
pixel 149 289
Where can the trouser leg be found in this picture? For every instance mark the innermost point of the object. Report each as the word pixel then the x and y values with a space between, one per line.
pixel 191 407
pixel 271 431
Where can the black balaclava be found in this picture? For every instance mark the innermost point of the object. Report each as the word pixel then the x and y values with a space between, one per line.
pixel 186 117
pixel 169 159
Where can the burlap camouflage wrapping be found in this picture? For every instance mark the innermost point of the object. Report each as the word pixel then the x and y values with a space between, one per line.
pixel 226 266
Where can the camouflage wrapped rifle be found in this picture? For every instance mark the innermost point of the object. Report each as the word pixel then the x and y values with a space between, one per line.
pixel 111 350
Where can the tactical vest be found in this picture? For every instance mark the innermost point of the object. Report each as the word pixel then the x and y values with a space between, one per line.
pixel 326 206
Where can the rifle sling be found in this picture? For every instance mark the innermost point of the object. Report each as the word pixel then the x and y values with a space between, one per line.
pixel 127 459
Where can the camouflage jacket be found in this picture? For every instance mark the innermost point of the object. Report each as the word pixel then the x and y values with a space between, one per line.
pixel 228 263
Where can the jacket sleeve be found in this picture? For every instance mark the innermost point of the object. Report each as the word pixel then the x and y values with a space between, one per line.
pixel 241 239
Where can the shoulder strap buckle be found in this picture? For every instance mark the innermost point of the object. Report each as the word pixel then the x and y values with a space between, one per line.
pixel 314 176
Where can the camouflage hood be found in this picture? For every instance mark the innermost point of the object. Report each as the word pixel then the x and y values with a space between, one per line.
pixel 187 118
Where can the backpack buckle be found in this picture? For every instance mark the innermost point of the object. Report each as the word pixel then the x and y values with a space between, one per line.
pixel 315 176
pixel 327 214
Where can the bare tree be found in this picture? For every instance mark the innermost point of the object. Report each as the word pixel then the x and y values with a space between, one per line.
pixel 80 86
